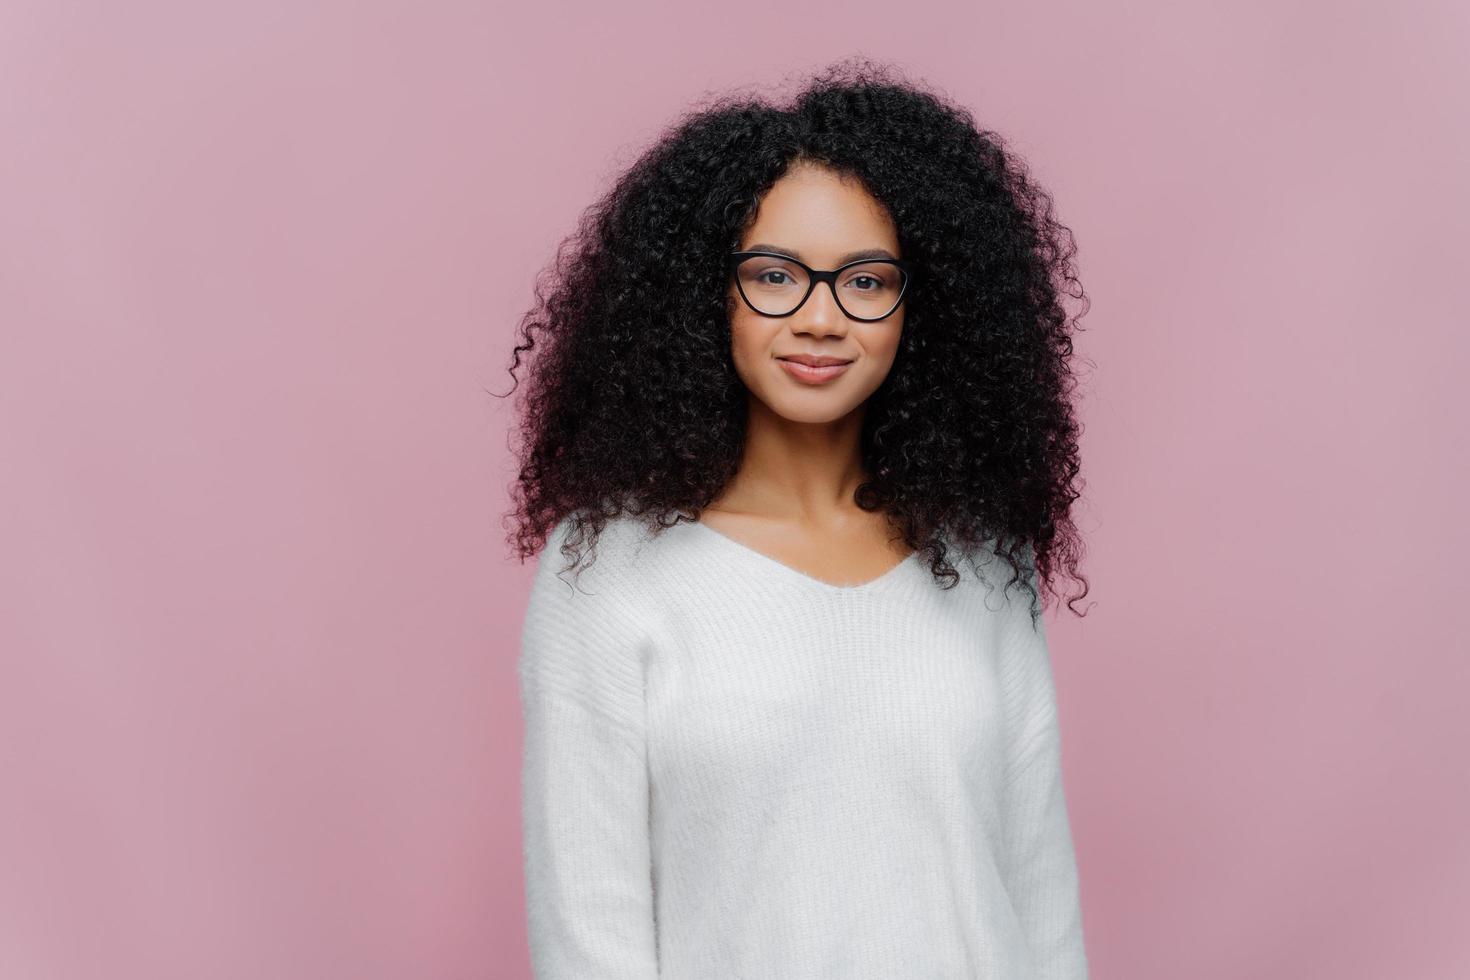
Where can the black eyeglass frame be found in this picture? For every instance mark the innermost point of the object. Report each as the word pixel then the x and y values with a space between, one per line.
pixel 815 277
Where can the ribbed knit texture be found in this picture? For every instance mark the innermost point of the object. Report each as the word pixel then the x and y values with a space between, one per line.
pixel 735 770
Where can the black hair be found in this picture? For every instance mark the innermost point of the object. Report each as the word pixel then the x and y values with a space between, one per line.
pixel 633 406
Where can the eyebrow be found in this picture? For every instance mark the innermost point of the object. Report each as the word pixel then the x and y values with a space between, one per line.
pixel 865 253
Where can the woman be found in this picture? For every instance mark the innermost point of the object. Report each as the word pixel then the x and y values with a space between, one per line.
pixel 801 361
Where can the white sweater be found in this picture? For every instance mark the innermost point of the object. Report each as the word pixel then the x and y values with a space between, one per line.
pixel 735 770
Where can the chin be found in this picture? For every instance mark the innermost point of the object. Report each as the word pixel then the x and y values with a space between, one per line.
pixel 819 410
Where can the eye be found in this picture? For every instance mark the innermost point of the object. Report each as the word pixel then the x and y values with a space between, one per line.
pixel 771 272
pixel 867 282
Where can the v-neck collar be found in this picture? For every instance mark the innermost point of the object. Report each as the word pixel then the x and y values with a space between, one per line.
pixel 781 568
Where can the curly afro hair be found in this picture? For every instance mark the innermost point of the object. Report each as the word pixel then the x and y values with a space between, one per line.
pixel 633 404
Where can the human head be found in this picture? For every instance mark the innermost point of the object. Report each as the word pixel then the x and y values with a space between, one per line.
pixel 637 399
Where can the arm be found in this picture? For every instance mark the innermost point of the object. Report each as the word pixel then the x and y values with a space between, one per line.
pixel 1040 865
pixel 589 892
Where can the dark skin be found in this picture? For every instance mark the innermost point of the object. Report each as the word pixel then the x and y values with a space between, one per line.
pixel 792 497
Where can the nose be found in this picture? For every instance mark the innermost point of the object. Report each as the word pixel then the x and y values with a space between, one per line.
pixel 820 313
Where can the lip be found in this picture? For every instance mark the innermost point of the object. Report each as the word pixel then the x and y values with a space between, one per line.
pixel 813 370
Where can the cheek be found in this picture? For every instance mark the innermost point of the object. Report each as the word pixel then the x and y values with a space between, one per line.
pixel 891 340
pixel 748 341
pixel 883 346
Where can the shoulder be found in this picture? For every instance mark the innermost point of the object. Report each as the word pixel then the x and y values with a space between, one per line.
pixel 585 642
pixel 585 576
pixel 995 598
pixel 996 581
pixel 612 554
pixel 585 627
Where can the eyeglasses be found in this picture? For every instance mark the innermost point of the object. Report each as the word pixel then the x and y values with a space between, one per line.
pixel 773 284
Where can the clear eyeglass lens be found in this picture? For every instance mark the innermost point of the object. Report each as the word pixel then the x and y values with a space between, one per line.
pixel 775 286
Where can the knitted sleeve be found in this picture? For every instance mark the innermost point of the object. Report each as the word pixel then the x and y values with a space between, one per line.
pixel 1039 861
pixel 584 787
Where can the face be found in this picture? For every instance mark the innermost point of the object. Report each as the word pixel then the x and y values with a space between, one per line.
pixel 815 215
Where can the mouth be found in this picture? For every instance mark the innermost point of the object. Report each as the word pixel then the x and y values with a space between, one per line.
pixel 810 369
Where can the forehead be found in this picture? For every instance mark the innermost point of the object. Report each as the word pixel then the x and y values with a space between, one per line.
pixel 820 216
